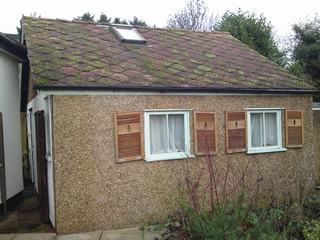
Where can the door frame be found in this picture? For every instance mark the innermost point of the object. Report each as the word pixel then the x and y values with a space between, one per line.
pixel 31 132
pixel 3 186
pixel 42 166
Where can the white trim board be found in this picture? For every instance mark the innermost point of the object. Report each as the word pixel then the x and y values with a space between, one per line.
pixel 148 93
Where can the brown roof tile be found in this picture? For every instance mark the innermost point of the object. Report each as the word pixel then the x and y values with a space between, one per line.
pixel 72 53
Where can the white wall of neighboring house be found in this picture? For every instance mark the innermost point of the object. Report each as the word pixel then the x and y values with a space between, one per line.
pixel 39 103
pixel 10 108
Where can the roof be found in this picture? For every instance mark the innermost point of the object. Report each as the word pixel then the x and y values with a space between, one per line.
pixel 9 45
pixel 14 37
pixel 73 54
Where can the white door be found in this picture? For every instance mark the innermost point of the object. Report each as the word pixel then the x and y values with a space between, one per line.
pixel 48 133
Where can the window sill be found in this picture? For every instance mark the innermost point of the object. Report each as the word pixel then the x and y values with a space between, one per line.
pixel 170 156
pixel 266 150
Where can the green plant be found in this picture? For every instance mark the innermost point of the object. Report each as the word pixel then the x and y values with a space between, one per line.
pixel 228 208
pixel 265 224
pixel 235 221
pixel 311 207
pixel 225 223
pixel 294 229
pixel 311 230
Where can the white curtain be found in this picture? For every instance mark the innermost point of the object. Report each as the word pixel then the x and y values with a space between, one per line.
pixel 176 133
pixel 256 129
pixel 158 134
pixel 271 129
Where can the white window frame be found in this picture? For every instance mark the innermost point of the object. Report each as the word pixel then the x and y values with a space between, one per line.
pixel 166 156
pixel 279 147
pixel 132 36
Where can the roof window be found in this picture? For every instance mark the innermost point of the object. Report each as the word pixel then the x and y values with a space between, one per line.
pixel 127 34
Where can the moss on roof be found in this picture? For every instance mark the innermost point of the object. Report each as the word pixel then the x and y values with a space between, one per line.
pixel 75 53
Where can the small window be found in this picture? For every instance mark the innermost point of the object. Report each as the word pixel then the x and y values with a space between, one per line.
pixel 127 34
pixel 264 131
pixel 167 135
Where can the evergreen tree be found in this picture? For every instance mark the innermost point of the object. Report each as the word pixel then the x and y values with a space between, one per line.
pixel 253 30
pixel 306 50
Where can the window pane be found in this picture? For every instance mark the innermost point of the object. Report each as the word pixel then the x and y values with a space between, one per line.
pixel 256 129
pixel 129 34
pixel 271 129
pixel 158 134
pixel 176 133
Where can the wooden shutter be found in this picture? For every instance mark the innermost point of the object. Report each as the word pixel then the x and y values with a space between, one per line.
pixel 128 136
pixel 205 133
pixel 294 128
pixel 235 132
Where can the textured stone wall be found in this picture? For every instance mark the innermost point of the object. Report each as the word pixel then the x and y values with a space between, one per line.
pixel 316 121
pixel 93 192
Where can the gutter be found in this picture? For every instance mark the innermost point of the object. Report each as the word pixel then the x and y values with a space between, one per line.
pixel 12 47
pixel 308 91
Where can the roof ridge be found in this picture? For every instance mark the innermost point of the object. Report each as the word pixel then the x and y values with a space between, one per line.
pixel 181 30
pixel 59 20
pixel 136 26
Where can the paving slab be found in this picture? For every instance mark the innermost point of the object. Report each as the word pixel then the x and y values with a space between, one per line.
pixel 123 234
pixel 10 224
pixel 35 236
pixel 81 236
pixel 131 234
pixel 7 236
pixel 152 235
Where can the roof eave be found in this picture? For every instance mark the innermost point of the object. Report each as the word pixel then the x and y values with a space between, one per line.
pixel 13 48
pixel 307 91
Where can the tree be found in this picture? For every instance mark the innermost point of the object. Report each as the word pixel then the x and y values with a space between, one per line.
pixel 85 17
pixel 195 17
pixel 119 21
pixel 104 19
pixel 306 50
pixel 138 22
pixel 253 30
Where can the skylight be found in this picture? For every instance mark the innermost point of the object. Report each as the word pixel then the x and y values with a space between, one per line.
pixel 127 34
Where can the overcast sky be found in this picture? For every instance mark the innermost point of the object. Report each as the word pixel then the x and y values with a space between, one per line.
pixel 282 13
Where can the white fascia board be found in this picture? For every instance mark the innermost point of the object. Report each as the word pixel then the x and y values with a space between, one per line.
pixel 147 93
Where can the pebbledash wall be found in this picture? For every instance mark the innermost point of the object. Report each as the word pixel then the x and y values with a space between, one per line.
pixel 93 192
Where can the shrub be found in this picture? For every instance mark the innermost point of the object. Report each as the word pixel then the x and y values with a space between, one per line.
pixel 311 207
pixel 311 230
pixel 228 208
pixel 225 223
pixel 234 221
